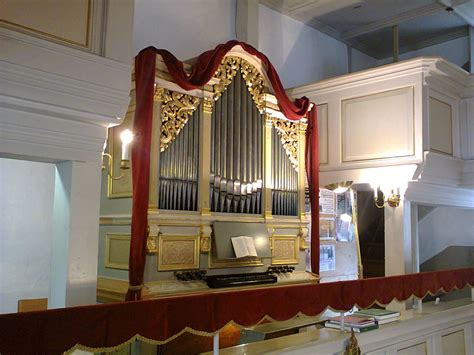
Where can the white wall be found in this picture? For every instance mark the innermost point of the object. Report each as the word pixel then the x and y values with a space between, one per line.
pixel 444 227
pixel 184 27
pixel 456 51
pixel 300 53
pixel 361 61
pixel 26 212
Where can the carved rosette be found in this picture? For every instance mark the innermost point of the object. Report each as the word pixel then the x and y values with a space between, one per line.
pixel 175 111
pixel 288 132
pixel 255 82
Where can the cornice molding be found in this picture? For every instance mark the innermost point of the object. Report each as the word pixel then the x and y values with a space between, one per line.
pixel 444 72
pixel 439 195
pixel 467 179
pixel 56 102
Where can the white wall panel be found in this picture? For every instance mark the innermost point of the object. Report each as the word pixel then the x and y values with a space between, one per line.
pixel 323 133
pixel 378 126
pixel 440 126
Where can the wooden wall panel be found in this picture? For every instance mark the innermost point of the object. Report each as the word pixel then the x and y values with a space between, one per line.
pixel 63 21
pixel 117 250
pixel 441 126
pixel 323 133
pixel 378 126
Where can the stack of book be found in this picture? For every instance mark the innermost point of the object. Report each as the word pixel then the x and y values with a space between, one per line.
pixel 357 323
pixel 380 316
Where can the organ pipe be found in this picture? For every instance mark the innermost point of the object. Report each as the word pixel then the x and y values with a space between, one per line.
pixel 237 158
pixel 178 181
pixel 285 180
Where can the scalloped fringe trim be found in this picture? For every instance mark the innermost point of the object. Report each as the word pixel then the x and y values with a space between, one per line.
pixel 209 334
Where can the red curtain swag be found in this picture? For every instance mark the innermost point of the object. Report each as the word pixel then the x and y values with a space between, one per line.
pixel 203 70
pixel 109 325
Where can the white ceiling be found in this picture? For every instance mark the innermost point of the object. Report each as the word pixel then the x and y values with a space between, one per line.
pixel 367 24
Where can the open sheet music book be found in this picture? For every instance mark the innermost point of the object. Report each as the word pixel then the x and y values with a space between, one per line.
pixel 243 246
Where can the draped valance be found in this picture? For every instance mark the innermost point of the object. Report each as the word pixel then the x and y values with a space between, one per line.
pixel 201 73
pixel 108 327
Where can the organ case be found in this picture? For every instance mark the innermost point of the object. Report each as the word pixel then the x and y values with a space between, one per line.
pixel 223 153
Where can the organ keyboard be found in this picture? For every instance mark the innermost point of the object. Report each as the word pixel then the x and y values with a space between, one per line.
pixel 233 280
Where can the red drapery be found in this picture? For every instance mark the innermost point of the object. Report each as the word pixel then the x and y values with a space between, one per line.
pixel 202 71
pixel 55 331
pixel 312 173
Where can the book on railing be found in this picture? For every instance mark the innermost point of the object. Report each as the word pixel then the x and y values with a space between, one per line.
pixel 378 314
pixel 348 327
pixel 353 321
pixel 243 246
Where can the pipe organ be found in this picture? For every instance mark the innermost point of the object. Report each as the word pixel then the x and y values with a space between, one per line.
pixel 223 153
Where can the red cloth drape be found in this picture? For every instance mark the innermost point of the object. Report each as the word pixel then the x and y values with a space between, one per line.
pixel 207 64
pixel 142 127
pixel 55 331
pixel 202 71
pixel 312 173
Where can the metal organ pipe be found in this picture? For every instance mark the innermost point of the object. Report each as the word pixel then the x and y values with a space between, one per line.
pixel 178 181
pixel 285 180
pixel 236 163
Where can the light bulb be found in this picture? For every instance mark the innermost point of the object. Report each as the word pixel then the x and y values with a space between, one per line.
pixel 340 190
pixel 126 136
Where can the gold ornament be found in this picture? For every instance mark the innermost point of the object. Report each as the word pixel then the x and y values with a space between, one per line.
pixel 255 82
pixel 288 132
pixel 175 111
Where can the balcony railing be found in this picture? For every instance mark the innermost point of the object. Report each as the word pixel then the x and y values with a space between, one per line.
pixel 105 327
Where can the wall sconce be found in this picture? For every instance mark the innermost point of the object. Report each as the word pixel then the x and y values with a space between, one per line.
pixel 339 187
pixel 126 137
pixel 393 200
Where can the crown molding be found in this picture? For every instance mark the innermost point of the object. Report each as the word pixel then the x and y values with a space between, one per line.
pixel 444 71
pixel 56 102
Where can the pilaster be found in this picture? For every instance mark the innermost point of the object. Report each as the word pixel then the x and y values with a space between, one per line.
pixel 267 160
pixel 205 157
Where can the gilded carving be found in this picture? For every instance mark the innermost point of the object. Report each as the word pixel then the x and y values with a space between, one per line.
pixel 205 239
pixel 288 132
pixel 253 79
pixel 285 250
pixel 151 247
pixel 178 252
pixel 225 73
pixel 207 105
pixel 302 234
pixel 255 84
pixel 175 111
pixel 205 244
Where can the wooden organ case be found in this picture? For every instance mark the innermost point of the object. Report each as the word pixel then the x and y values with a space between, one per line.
pixel 223 153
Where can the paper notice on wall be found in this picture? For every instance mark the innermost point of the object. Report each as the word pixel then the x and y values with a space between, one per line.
pixel 327 257
pixel 326 201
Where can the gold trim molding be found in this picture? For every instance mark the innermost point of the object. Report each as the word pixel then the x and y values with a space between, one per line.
pixel 175 111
